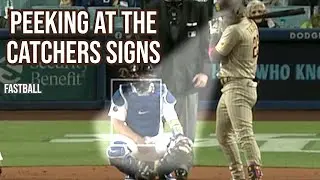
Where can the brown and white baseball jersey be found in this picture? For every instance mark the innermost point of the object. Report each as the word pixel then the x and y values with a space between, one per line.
pixel 239 45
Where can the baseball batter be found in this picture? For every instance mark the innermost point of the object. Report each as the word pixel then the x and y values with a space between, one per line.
pixel 136 112
pixel 237 51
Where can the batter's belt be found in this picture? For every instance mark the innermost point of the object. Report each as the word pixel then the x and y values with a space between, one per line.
pixel 225 80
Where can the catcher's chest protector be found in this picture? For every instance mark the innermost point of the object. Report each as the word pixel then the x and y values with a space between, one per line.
pixel 143 112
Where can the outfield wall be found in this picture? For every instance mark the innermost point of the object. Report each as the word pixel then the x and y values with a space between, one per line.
pixel 289 73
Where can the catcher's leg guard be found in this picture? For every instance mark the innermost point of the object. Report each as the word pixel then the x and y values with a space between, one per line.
pixel 179 157
pixel 120 157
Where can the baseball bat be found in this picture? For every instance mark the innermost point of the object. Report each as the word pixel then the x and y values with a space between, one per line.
pixel 289 12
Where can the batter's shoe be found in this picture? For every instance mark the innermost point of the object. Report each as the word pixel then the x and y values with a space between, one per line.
pixel 254 172
pixel 181 174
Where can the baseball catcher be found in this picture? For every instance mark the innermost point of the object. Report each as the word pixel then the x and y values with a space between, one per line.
pixel 140 149
pixel 237 50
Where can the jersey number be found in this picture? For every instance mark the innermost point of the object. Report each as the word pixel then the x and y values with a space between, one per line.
pixel 255 46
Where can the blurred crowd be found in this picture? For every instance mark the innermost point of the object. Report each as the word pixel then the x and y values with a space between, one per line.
pixel 111 3
pixel 311 19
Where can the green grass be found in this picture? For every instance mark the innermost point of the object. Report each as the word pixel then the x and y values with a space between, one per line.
pixel 269 127
pixel 307 160
pixel 313 145
pixel 26 143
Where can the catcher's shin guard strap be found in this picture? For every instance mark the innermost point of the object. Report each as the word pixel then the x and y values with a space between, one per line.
pixel 169 164
pixel 165 167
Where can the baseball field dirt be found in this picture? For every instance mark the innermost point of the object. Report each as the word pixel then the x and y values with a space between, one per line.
pixel 108 172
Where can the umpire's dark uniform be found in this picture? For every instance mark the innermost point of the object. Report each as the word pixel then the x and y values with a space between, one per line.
pixel 184 57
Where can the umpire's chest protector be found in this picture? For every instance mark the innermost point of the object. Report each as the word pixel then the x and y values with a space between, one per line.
pixel 144 112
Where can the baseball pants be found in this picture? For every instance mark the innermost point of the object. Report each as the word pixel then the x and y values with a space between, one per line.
pixel 187 110
pixel 145 152
pixel 234 124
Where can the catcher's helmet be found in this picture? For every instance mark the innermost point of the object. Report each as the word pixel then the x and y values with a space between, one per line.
pixel 144 74
pixel 141 71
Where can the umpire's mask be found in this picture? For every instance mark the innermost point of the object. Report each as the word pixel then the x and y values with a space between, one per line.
pixel 174 13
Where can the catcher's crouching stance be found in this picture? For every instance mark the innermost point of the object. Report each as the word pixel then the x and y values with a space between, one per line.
pixel 141 150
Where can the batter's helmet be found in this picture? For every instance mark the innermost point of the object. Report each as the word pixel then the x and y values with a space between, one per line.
pixel 232 10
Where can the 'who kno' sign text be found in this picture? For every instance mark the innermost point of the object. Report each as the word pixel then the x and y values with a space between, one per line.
pixel 282 72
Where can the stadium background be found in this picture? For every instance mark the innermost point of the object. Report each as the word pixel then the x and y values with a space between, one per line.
pixel 62 133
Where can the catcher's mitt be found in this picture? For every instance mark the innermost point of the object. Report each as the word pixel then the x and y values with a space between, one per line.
pixel 181 153
pixel 179 156
pixel 145 171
